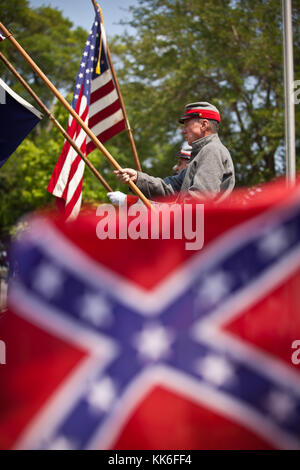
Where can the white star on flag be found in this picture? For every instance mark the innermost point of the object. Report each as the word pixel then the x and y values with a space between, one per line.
pixel 102 395
pixel 96 309
pixel 216 370
pixel 280 405
pixel 153 342
pixel 48 280
pixel 273 243
pixel 214 288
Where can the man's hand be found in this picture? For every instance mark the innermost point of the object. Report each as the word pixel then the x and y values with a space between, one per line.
pixel 117 198
pixel 126 175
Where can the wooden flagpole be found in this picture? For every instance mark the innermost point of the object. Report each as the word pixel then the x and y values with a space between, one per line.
pixel 128 128
pixel 77 118
pixel 55 122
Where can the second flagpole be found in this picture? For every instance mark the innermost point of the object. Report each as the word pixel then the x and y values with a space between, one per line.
pixel 128 128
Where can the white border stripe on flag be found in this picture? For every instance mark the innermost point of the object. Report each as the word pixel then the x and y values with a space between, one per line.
pixel 20 99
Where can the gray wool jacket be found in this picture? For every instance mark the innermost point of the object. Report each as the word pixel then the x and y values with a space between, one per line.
pixel 209 175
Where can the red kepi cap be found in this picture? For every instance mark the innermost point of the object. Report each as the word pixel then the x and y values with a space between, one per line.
pixel 201 109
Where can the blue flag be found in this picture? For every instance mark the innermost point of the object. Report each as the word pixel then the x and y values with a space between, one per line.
pixel 17 119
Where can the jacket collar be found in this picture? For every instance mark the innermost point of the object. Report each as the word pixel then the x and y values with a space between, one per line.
pixel 197 145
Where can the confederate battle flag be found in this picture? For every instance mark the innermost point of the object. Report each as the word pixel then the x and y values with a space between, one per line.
pixel 142 344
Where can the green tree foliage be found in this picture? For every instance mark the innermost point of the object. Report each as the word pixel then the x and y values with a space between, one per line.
pixel 223 51
pixel 49 39
pixel 228 52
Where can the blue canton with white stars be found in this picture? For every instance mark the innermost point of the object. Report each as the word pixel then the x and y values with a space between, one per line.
pixel 90 56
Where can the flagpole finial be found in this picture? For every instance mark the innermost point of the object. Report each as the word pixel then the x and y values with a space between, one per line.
pixel 98 71
pixel 97 7
pixel 100 11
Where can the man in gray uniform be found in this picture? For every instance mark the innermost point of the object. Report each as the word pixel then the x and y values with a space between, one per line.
pixel 209 175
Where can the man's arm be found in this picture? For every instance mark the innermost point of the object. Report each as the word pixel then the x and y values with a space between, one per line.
pixel 155 187
pixel 151 186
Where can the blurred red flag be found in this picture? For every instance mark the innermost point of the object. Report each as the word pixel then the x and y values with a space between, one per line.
pixel 142 344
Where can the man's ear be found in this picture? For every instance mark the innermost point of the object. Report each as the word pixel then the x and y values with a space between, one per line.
pixel 205 124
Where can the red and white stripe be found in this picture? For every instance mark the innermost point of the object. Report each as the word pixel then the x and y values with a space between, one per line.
pixel 66 180
pixel 105 118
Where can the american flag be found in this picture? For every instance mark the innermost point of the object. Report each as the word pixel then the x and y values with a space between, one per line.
pixel 140 344
pixel 96 101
